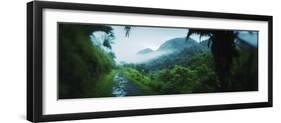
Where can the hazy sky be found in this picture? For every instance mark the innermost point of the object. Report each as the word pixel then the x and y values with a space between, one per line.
pixel 125 48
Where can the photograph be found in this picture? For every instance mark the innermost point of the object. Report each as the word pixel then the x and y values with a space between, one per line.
pixel 110 60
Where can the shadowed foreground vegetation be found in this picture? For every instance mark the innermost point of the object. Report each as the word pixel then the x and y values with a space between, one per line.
pixel 81 66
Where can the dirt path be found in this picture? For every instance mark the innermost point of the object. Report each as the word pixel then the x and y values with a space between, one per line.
pixel 123 87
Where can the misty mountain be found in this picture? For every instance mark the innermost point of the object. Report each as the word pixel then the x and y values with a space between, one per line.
pixel 177 44
pixel 173 51
pixel 179 51
pixel 144 51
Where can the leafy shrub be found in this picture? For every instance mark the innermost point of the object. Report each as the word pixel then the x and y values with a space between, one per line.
pixel 81 65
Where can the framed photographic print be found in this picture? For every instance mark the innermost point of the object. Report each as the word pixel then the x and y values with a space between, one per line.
pixel 95 61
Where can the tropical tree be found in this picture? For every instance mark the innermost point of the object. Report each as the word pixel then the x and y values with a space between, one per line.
pixel 222 45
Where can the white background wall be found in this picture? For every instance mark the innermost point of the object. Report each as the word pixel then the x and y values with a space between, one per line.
pixel 13 61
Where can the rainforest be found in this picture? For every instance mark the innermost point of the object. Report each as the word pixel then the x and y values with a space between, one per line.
pixel 106 60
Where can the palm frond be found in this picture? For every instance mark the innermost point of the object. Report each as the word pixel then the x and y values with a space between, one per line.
pixel 127 30
pixel 199 32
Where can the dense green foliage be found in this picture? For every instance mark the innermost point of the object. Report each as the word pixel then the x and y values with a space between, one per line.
pixel 81 65
pixel 141 80
pixel 198 76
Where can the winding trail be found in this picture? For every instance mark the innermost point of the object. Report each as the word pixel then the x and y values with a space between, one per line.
pixel 123 87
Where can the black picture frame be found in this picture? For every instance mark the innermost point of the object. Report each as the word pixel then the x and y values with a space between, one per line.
pixel 34 60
